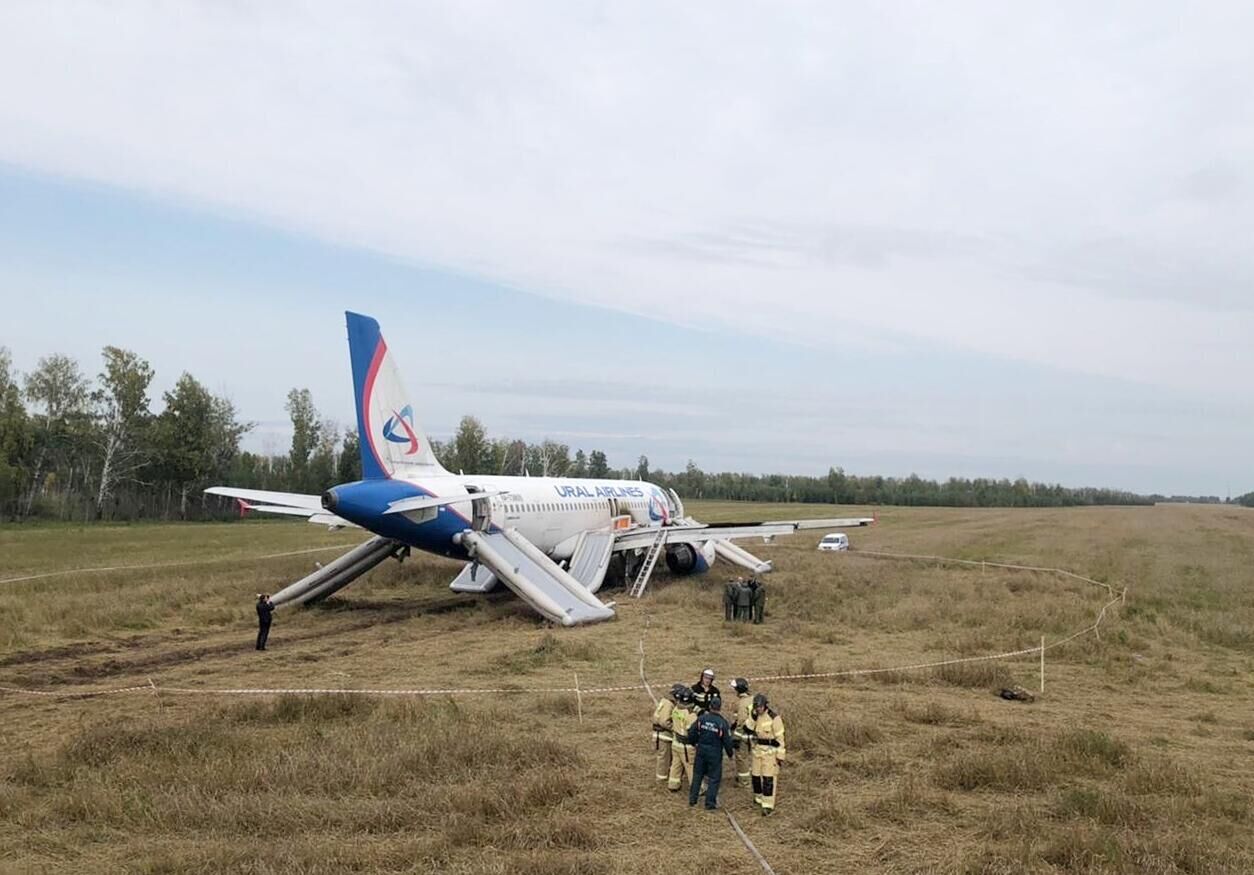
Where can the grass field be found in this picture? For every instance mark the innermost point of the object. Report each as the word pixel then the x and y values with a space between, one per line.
pixel 1138 758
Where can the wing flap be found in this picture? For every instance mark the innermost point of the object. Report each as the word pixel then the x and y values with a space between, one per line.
pixel 318 517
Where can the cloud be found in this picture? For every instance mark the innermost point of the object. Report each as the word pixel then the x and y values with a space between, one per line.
pixel 1062 185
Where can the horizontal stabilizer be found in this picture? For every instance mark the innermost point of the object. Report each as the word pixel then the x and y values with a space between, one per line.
pixel 286 499
pixel 425 502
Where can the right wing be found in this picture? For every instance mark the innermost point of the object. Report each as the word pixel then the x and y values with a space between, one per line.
pixel 692 532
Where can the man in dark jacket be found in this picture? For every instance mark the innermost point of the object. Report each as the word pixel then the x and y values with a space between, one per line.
pixel 713 738
pixel 744 602
pixel 759 601
pixel 264 609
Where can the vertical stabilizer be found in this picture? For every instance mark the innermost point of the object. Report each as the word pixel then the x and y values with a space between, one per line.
pixel 391 439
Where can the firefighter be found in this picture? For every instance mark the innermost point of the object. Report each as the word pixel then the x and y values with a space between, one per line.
pixel 703 690
pixel 743 758
pixel 711 735
pixel 766 731
pixel 662 731
pixel 683 715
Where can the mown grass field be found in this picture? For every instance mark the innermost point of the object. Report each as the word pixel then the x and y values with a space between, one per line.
pixel 1138 758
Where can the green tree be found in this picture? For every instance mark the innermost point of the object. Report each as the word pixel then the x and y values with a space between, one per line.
pixel 579 468
pixel 642 468
pixel 548 458
pixel 306 435
pixel 16 438
pixel 59 392
pixel 513 460
pixel 121 403
pixel 694 480
pixel 348 469
pixel 321 472
pixel 598 465
pixel 469 450
pixel 196 437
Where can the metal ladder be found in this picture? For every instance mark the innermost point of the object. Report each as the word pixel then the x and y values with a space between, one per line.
pixel 650 560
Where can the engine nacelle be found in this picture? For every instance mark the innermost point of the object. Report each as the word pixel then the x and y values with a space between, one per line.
pixel 690 558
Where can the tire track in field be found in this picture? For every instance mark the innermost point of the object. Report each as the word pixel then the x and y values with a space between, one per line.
pixel 59 672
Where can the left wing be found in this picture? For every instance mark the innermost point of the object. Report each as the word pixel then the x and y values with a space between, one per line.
pixel 283 503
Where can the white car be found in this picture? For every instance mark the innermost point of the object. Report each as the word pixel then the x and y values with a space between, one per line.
pixel 834 541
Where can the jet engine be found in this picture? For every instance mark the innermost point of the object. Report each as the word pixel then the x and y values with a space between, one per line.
pixel 689 558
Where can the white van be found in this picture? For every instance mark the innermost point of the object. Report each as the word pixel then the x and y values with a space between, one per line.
pixel 834 541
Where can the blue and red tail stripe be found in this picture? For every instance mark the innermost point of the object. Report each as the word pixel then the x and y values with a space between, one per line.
pixel 366 350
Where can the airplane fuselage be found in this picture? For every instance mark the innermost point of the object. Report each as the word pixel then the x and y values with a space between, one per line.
pixel 550 512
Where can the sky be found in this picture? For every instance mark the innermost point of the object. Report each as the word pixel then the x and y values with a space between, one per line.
pixel 967 239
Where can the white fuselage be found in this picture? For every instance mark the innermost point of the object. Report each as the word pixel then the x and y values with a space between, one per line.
pixel 550 512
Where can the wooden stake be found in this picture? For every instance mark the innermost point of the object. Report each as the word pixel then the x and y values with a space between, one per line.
pixel 1042 663
pixel 578 697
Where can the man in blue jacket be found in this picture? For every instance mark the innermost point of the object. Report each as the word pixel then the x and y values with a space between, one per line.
pixel 713 737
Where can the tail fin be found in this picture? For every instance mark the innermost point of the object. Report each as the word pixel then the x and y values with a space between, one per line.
pixel 390 437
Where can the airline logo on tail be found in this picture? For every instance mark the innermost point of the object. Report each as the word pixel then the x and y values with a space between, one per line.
pixel 402 420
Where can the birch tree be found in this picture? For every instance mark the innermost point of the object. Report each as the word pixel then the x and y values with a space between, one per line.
pixel 121 403
pixel 59 388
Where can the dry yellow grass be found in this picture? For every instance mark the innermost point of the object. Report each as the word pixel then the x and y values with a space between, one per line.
pixel 1137 759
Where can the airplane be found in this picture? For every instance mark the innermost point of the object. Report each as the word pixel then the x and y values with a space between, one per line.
pixel 551 540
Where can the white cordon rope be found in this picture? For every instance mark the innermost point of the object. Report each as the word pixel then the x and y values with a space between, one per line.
pixel 179 564
pixel 1118 596
pixel 982 563
pixel 740 833
pixel 644 682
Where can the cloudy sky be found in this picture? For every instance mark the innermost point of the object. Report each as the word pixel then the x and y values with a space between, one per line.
pixel 968 239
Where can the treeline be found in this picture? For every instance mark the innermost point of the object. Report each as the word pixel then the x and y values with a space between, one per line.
pixel 471 451
pixel 77 448
pixel 74 447
pixel 85 449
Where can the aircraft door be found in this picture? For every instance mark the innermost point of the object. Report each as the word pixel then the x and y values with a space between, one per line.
pixel 481 511
pixel 677 506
